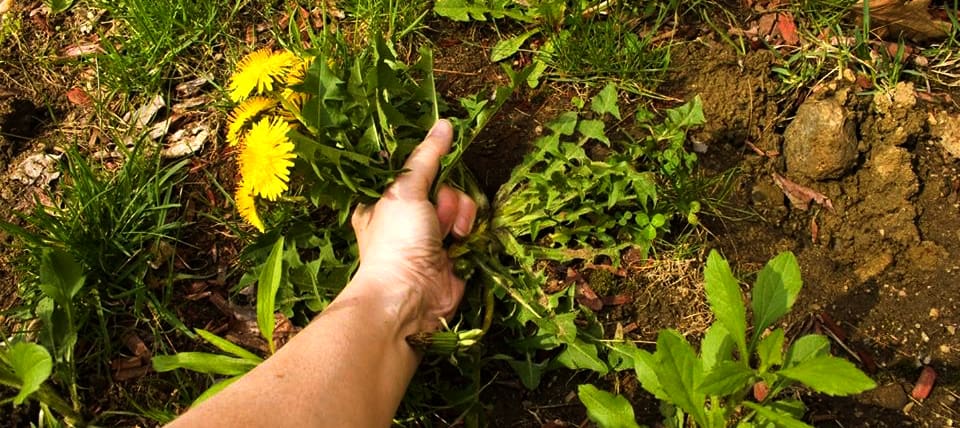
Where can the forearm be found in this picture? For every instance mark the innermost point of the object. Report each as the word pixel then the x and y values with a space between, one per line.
pixel 349 367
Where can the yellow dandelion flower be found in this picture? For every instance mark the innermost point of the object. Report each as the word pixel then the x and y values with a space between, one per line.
pixel 258 71
pixel 244 114
pixel 247 206
pixel 265 157
pixel 298 71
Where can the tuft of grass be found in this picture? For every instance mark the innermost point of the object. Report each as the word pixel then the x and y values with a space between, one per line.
pixel 153 35
pixel 626 44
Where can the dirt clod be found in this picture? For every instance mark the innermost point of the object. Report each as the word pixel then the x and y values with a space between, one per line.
pixel 821 142
pixel 945 129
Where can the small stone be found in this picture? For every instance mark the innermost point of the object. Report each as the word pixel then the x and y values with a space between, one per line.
pixel 924 337
pixel 902 293
pixel 934 313
pixel 945 349
pixel 821 141
pixel 952 330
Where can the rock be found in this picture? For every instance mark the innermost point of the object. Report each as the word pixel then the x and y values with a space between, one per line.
pixel 945 130
pixel 891 396
pixel 821 142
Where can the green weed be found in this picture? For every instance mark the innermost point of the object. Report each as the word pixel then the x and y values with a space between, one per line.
pixel 711 388
pixel 90 255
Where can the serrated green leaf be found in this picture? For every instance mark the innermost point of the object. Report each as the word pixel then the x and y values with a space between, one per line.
pixel 806 348
pixel 507 47
pixel 605 409
pixel 606 101
pixel 770 350
pixel 564 124
pixel 267 287
pixel 829 375
pixel 203 362
pixel 726 302
pixel 593 129
pixel 582 355
pixel 775 291
pixel 726 378
pixel 780 420
pixel 717 345
pixel 31 364
pixel 228 346
pixel 687 115
pixel 61 276
pixel 679 373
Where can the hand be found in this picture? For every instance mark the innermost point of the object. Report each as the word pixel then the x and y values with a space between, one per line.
pixel 401 236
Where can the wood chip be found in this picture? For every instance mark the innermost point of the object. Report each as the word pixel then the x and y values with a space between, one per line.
pixel 924 384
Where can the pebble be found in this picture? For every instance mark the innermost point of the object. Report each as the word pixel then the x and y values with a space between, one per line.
pixel 924 337
pixel 934 313
pixel 952 330
pixel 945 349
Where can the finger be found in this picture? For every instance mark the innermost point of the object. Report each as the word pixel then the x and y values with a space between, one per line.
pixel 466 214
pixel 360 217
pixel 424 162
pixel 448 202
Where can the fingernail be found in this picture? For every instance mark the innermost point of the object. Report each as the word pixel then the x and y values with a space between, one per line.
pixel 463 226
pixel 442 128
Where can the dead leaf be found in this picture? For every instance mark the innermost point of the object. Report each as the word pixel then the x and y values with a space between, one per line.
pixel 801 196
pixel 617 299
pixel 84 48
pixel 787 28
pixel 144 115
pixel 911 19
pixel 587 297
pixel 78 97
pixel 135 344
pixel 37 168
pixel 190 87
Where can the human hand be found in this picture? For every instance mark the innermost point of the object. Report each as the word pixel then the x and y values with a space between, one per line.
pixel 401 236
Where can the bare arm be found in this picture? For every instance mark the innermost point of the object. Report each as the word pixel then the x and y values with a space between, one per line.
pixel 351 365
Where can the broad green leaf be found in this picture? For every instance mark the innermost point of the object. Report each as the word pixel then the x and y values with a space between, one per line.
pixel 61 276
pixel 267 287
pixel 781 420
pixel 582 355
pixel 606 101
pixel 716 346
pixel 214 389
pixel 203 362
pixel 605 409
pixel 228 346
pixel 564 124
pixel 723 294
pixel 775 291
pixel 530 373
pixel 507 47
pixel 623 356
pixel 593 129
pixel 805 348
pixel 726 378
pixel 687 115
pixel 679 373
pixel 770 350
pixel 644 363
pixel 829 375
pixel 32 365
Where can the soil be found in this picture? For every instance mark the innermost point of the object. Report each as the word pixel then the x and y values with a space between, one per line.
pixel 880 267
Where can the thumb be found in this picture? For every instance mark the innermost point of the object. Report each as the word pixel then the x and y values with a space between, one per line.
pixel 424 162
